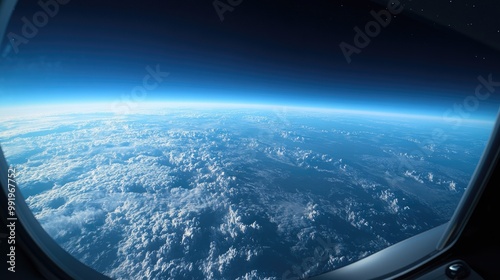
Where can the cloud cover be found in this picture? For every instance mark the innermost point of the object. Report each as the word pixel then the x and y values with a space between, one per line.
pixel 233 194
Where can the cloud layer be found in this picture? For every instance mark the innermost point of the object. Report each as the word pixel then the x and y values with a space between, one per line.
pixel 232 194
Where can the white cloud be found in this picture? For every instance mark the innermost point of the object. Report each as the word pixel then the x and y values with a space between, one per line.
pixel 172 198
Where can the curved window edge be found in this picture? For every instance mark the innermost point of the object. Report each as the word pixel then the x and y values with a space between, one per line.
pixel 55 263
pixel 393 260
pixel 6 9
pixel 412 253
pixel 474 191
pixel 52 261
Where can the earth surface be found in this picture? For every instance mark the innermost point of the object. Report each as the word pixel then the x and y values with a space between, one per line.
pixel 237 193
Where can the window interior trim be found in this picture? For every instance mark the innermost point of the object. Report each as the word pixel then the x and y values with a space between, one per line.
pixel 475 189
pixel 50 259
pixel 55 263
pixel 6 9
pixel 414 252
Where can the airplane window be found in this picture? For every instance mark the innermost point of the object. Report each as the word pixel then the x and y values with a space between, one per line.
pixel 244 139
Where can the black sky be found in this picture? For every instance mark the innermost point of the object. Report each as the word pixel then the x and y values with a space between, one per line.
pixel 266 51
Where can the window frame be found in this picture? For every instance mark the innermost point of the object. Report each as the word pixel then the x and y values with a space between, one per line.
pixel 413 253
pixel 53 262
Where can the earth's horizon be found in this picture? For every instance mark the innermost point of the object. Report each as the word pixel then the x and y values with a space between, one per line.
pixel 237 193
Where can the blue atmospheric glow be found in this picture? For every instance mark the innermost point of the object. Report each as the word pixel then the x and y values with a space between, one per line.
pixel 250 185
pixel 119 107
pixel 186 147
